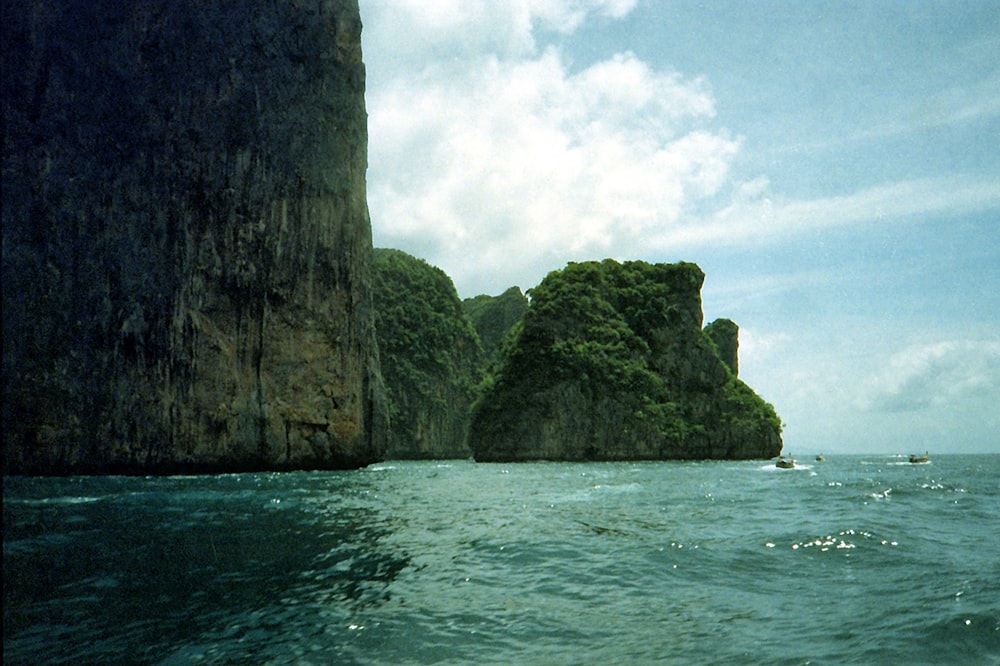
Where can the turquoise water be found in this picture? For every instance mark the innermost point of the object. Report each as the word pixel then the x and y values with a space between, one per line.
pixel 854 560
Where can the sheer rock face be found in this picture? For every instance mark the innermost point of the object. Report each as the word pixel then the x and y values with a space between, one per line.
pixel 611 363
pixel 186 239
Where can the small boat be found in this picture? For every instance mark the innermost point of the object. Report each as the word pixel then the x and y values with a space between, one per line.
pixel 785 463
pixel 919 459
pixel 820 458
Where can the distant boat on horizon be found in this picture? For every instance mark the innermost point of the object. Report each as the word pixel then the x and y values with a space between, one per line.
pixel 785 463
pixel 914 458
pixel 820 458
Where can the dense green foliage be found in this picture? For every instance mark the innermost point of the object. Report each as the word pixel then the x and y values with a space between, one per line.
pixel 583 326
pixel 430 355
pixel 495 316
pixel 622 345
pixel 745 408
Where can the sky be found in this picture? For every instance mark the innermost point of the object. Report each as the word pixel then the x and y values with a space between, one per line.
pixel 833 167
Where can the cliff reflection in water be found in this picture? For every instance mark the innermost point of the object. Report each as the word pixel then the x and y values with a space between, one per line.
pixel 148 567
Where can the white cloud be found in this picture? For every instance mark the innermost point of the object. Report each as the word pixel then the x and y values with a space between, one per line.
pixel 406 33
pixel 566 16
pixel 494 159
pixel 763 346
pixel 755 215
pixel 934 375
pixel 504 164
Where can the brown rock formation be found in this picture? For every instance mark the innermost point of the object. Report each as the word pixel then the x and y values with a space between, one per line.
pixel 186 238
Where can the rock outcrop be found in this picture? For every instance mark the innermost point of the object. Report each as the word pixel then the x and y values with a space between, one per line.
pixel 186 243
pixel 494 317
pixel 726 336
pixel 611 363
pixel 431 357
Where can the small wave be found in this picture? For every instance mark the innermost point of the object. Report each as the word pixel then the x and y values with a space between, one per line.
pixel 49 501
pixel 975 635
pixel 771 467
pixel 881 495
pixel 626 488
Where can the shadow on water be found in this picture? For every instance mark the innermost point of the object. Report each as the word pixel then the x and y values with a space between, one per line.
pixel 190 569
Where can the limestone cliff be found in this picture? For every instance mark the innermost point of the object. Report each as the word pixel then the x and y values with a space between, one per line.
pixel 494 317
pixel 186 243
pixel 611 363
pixel 431 357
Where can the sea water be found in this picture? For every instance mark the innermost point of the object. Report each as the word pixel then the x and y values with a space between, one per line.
pixel 852 560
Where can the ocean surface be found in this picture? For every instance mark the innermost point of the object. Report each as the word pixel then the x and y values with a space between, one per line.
pixel 852 560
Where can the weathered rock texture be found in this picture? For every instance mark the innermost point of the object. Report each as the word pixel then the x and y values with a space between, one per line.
pixel 611 363
pixel 726 336
pixel 494 317
pixel 431 357
pixel 186 243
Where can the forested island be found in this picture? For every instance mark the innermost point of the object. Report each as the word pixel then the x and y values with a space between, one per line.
pixel 607 361
pixel 610 362
pixel 494 316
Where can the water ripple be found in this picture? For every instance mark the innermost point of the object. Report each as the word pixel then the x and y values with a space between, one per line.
pixel 455 563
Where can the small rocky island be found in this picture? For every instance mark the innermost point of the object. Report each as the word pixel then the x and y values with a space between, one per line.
pixel 610 362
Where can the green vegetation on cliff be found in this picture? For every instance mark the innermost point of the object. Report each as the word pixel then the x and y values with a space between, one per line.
pixel 494 317
pixel 724 334
pixel 430 355
pixel 610 363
